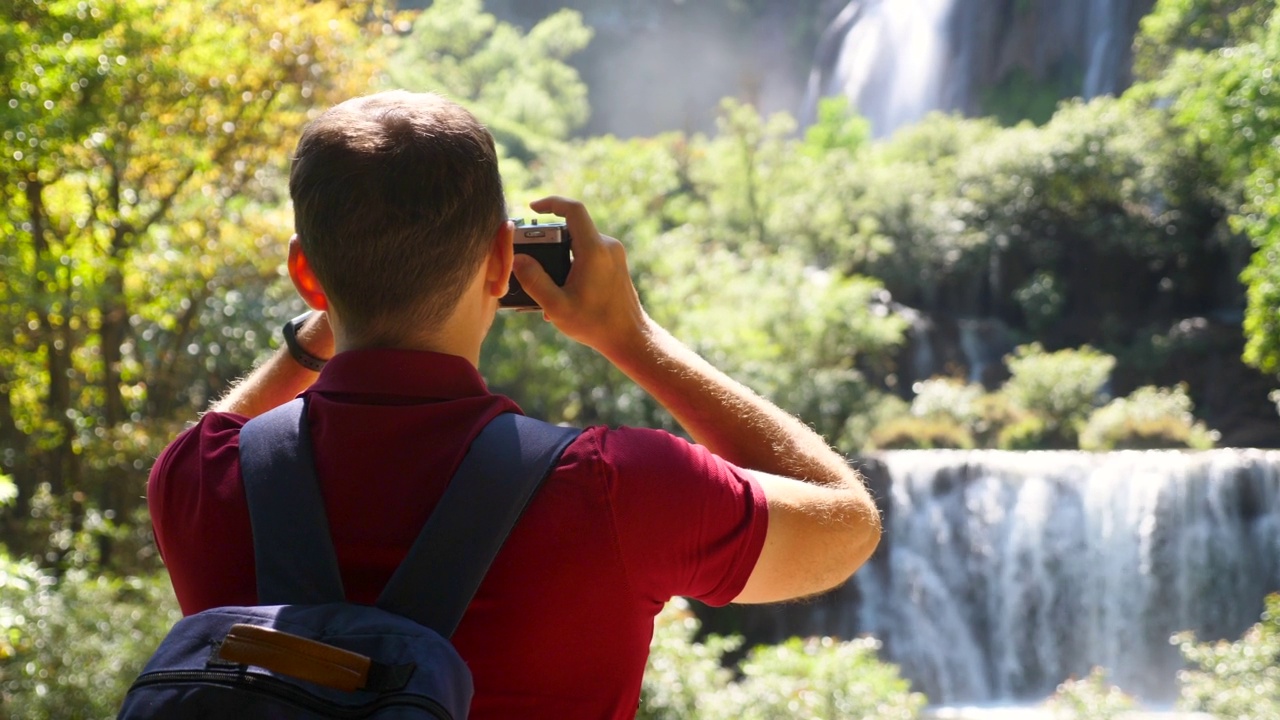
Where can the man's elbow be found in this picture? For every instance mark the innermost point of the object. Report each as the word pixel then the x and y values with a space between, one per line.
pixel 867 542
pixel 864 531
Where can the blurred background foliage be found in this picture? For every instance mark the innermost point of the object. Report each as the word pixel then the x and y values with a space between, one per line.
pixel 145 217
pixel 690 678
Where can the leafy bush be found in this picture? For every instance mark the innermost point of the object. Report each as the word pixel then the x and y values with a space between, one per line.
pixel 945 397
pixel 1150 417
pixel 70 646
pixel 995 413
pixel 823 679
pixel 1031 432
pixel 816 678
pixel 1238 680
pixel 1090 698
pixel 1042 300
pixel 1045 405
pixel 683 678
pixel 934 432
pixel 1061 387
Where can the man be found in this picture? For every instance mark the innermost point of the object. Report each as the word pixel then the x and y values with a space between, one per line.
pixel 404 249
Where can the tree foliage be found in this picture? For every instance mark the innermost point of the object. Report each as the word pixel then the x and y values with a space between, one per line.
pixel 1149 417
pixel 519 83
pixel 1226 98
pixel 1090 698
pixel 70 646
pixel 141 222
pixel 819 678
pixel 1238 679
pixel 720 260
pixel 1175 26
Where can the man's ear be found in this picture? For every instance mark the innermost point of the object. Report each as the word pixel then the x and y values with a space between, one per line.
pixel 306 282
pixel 498 265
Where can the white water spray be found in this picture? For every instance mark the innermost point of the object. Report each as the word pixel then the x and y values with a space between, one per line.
pixel 892 61
pixel 1010 572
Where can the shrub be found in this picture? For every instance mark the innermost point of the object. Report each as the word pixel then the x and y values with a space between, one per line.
pixel 70 647
pixel 995 413
pixel 1061 387
pixel 945 397
pixel 1028 433
pixel 683 677
pixel 816 678
pixel 1150 417
pixel 1239 680
pixel 1091 698
pixel 921 433
pixel 822 679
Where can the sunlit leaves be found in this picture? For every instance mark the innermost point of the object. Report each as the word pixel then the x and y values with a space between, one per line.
pixel 143 156
pixel 1228 102
pixel 70 646
pixel 719 234
pixel 1238 679
pixel 819 678
pixel 518 83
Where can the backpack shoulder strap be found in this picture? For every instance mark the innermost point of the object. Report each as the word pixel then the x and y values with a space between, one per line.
pixel 495 482
pixel 292 549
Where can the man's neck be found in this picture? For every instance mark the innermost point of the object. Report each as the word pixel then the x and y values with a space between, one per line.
pixel 461 335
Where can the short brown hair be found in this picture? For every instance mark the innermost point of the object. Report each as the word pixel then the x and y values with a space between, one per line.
pixel 396 197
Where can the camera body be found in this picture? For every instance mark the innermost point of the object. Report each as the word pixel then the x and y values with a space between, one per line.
pixel 549 244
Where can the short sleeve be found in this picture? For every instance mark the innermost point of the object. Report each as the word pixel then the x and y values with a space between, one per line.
pixel 194 494
pixel 688 522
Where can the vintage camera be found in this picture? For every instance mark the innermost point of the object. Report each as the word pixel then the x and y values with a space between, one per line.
pixel 549 245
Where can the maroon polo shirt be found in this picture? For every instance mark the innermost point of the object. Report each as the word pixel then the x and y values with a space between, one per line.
pixel 560 627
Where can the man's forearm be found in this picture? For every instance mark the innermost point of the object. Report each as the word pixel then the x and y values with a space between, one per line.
pixel 279 379
pixel 725 416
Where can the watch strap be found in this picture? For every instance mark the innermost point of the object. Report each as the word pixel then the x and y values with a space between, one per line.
pixel 299 353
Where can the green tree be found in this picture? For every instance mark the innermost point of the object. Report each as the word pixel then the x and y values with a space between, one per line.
pixel 70 646
pixel 1173 26
pixel 837 126
pixel 519 83
pixel 730 275
pixel 142 178
pixel 1226 97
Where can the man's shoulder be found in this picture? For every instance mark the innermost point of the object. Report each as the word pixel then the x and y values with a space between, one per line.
pixel 653 460
pixel 211 440
pixel 212 428
pixel 643 446
pixel 685 521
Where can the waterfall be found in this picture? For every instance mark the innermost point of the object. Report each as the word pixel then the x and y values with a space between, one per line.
pixel 891 60
pixel 1002 574
pixel 1006 573
pixel 897 60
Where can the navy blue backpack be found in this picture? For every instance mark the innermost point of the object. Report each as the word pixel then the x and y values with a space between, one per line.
pixel 307 653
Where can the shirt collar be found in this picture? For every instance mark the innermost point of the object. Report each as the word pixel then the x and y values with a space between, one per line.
pixel 400 373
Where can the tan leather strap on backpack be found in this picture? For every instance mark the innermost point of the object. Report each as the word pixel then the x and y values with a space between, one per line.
pixel 295 656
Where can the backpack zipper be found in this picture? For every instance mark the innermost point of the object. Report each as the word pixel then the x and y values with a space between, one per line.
pixel 267 685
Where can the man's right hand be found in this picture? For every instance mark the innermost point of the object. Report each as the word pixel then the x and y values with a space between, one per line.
pixel 823 523
pixel 598 305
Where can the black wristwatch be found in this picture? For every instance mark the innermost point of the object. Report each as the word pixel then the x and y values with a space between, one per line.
pixel 304 358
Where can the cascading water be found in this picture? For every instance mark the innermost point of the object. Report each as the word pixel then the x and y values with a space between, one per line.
pixel 897 60
pixel 891 60
pixel 1007 573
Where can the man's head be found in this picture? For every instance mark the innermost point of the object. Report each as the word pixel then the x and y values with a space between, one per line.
pixel 397 199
